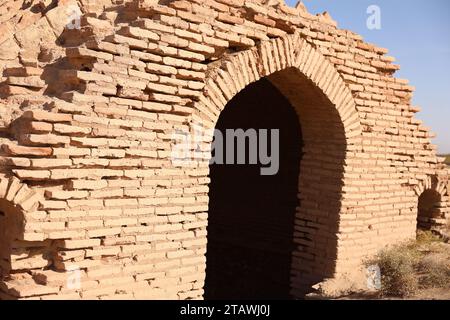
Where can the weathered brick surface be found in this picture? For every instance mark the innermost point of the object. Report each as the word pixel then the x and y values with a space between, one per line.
pixel 87 116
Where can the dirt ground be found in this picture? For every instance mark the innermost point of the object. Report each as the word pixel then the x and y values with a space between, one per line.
pixel 426 294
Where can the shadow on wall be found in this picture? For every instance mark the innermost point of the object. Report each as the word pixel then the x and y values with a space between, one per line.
pixel 429 211
pixel 273 237
pixel 11 229
pixel 321 180
pixel 251 216
pixel 19 258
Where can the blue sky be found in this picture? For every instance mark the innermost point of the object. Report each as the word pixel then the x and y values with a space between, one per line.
pixel 417 34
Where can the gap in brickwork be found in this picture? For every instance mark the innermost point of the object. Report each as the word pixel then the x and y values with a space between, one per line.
pixel 11 229
pixel 251 216
pixel 19 258
pixel 428 210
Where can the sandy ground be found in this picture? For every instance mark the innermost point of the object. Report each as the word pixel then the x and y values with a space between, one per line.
pixel 429 294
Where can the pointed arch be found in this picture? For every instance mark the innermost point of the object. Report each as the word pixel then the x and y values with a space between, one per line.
pixel 331 131
pixel 18 194
pixel 234 72
pixel 431 183
pixel 432 212
pixel 17 200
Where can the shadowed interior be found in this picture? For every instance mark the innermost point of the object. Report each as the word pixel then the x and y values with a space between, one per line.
pixel 251 216
pixel 428 209
pixel 11 229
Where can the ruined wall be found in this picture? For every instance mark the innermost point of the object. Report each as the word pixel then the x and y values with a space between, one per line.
pixel 87 122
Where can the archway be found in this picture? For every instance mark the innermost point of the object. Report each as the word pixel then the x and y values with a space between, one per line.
pixel 11 229
pixel 330 131
pixel 17 200
pixel 428 210
pixel 237 264
pixel 251 215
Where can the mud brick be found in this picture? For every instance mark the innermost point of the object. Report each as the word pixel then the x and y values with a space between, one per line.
pixel 41 115
pixel 17 150
pixel 139 33
pixel 77 244
pixel 83 52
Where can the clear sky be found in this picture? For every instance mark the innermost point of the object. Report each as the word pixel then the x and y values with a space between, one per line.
pixel 417 34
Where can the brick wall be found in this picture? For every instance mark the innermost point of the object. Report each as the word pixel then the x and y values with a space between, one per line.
pixel 87 123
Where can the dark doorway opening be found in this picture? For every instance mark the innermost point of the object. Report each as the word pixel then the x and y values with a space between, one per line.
pixel 428 210
pixel 251 216
pixel 11 230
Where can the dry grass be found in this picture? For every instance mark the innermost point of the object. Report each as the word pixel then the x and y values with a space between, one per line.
pixel 397 272
pixel 415 266
pixel 447 158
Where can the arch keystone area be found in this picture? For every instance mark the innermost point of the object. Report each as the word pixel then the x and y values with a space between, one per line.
pixel 234 72
pixel 432 183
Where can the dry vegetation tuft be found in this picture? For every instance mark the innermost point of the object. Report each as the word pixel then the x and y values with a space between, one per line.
pixel 418 265
pixel 447 159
